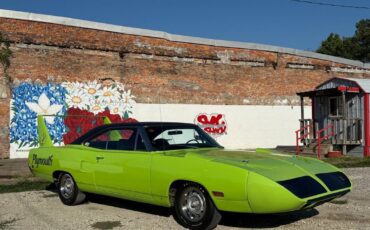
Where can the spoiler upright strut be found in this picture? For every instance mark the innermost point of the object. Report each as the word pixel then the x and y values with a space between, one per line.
pixel 43 133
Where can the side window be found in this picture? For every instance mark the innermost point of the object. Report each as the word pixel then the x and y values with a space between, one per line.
pixel 335 106
pixel 117 139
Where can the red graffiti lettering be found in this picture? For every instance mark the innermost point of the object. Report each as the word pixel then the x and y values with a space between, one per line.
pixel 215 130
pixel 214 120
pixel 214 124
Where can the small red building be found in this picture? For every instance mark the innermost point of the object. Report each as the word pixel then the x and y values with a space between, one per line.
pixel 340 117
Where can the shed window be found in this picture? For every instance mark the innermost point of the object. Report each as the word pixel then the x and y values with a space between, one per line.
pixel 335 106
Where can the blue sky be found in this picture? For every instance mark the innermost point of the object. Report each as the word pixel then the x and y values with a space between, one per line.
pixel 276 22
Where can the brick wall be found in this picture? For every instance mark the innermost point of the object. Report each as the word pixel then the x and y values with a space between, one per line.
pixel 158 70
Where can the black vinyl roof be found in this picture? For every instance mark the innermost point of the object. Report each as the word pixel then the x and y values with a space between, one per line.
pixel 147 123
pixel 100 128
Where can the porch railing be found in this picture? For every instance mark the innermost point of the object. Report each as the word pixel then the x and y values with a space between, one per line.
pixel 346 131
pixel 328 133
pixel 304 134
pixel 338 131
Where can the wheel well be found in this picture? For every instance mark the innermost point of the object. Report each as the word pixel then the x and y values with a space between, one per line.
pixel 179 184
pixel 56 175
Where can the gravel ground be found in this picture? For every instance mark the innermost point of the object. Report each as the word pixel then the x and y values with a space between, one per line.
pixel 43 210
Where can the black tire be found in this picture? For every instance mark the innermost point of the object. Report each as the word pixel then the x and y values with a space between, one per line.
pixel 194 209
pixel 68 190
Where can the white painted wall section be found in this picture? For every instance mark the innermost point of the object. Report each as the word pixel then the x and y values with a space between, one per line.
pixel 247 126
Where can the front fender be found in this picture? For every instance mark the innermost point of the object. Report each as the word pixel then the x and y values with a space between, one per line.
pixel 213 176
pixel 267 196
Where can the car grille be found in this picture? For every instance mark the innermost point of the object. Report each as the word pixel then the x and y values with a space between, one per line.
pixel 303 187
pixel 334 180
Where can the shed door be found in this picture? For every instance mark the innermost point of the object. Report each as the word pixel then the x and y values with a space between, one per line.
pixel 322 111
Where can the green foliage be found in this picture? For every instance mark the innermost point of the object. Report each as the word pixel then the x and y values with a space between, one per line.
pixel 24 186
pixel 333 45
pixel 363 39
pixel 6 224
pixel 356 47
pixel 5 56
pixel 349 162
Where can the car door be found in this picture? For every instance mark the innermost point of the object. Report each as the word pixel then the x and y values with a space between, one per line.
pixel 122 164
pixel 86 157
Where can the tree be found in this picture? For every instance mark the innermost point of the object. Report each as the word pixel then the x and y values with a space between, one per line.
pixel 5 55
pixel 362 36
pixel 356 47
pixel 333 45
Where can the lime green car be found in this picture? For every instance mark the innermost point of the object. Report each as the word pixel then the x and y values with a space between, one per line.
pixel 178 165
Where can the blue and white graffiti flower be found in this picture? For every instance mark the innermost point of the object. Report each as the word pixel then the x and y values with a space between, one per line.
pixel 109 95
pixel 128 101
pixel 91 88
pixel 77 99
pixel 30 100
pixel 43 107
pixel 117 108
pixel 72 86
pixel 96 106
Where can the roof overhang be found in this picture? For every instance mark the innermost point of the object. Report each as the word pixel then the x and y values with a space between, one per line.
pixel 329 92
pixel 356 86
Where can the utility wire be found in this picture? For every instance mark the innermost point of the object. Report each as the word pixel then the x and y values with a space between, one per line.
pixel 330 4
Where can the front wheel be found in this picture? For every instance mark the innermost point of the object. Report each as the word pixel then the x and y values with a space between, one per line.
pixel 194 209
pixel 68 191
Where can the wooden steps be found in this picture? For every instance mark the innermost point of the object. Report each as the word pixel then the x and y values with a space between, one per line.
pixel 311 149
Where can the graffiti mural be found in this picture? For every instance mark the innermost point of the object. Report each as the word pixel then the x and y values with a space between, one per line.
pixel 77 106
pixel 214 124
pixel 30 100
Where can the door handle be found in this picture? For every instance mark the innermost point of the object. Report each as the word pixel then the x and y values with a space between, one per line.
pixel 99 158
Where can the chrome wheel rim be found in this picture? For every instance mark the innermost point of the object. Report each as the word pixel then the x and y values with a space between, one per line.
pixel 67 186
pixel 193 204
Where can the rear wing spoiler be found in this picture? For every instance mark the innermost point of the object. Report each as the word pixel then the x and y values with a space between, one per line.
pixel 44 136
pixel 43 132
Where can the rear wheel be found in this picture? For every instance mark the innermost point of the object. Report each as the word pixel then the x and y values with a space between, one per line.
pixel 68 191
pixel 194 209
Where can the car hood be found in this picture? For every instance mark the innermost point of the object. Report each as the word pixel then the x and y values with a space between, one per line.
pixel 274 165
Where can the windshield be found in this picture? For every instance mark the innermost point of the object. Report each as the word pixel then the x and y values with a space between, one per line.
pixel 170 137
